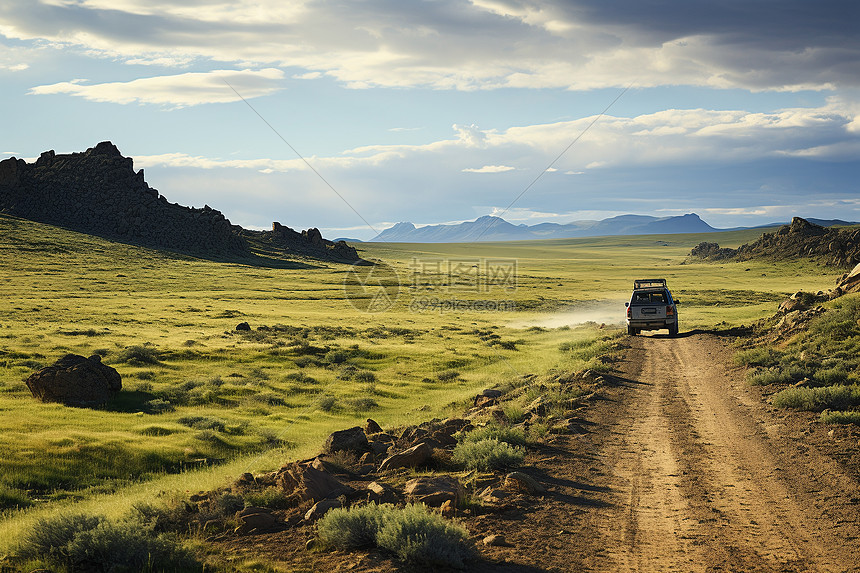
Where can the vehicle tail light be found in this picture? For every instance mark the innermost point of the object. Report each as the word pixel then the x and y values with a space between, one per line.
pixel 629 312
pixel 670 311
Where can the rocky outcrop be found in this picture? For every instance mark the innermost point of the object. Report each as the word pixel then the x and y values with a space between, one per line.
pixel 75 381
pixel 850 281
pixel 306 243
pixel 98 192
pixel 836 247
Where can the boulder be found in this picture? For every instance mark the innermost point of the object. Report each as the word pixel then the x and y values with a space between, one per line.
pixel 850 281
pixel 523 483
pixel 309 483
pixel 482 401
pixel 320 508
pixel 414 456
pixel 75 381
pixel 378 448
pixel 350 440
pixel 243 327
pixel 255 520
pixel 380 493
pixel 435 490
pixel 371 427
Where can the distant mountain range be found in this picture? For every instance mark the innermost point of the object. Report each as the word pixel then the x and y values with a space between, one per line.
pixel 490 228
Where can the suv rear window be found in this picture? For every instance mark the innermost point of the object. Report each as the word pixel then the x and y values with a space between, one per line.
pixel 649 298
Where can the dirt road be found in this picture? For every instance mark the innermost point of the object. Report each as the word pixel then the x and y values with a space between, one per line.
pixel 678 466
pixel 703 477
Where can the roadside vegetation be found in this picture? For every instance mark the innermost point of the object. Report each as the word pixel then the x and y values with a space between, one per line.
pixel 818 368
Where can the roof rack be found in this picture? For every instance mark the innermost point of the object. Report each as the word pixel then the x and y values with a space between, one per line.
pixel 649 283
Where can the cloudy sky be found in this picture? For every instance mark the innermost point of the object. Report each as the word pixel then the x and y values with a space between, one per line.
pixel 351 116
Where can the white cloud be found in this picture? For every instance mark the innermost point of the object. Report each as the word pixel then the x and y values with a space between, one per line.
pixel 489 169
pixel 672 137
pixel 177 90
pixel 454 44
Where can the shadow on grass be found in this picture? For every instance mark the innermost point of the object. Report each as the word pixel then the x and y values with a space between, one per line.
pixel 130 402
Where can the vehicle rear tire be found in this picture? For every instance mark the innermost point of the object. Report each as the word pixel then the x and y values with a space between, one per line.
pixel 673 330
pixel 631 331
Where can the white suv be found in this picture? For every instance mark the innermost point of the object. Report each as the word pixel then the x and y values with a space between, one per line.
pixel 651 307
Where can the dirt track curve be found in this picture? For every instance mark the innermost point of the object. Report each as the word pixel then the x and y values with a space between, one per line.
pixel 704 478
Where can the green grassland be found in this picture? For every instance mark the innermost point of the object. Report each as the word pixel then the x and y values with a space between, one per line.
pixel 202 402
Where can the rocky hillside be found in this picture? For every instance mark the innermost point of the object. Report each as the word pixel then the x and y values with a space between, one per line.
pixel 836 247
pixel 98 192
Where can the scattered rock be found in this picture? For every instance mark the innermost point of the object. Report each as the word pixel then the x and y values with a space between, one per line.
pixel 320 508
pixel 495 540
pixel 75 381
pixel 413 457
pixel 435 490
pixel 380 493
pixel 493 495
pixel 520 482
pixel 448 509
pixel 492 393
pixel 350 440
pixel 482 401
pixel 243 327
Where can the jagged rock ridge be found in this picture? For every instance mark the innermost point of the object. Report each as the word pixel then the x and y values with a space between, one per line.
pixel 836 247
pixel 98 192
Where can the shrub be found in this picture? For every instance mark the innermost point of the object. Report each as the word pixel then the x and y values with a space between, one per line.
pixel 352 528
pixel 758 356
pixel 831 376
pixel 365 377
pixel 763 377
pixel 227 504
pixel 488 454
pixel 336 356
pixel 815 399
pixel 272 497
pixel 91 543
pixel 203 423
pixel 418 536
pixel 514 413
pixel 448 376
pixel 13 498
pixel 326 403
pixel 158 406
pixel 362 404
pixel 139 355
pixel 829 417
pixel 413 533
pixel 512 436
